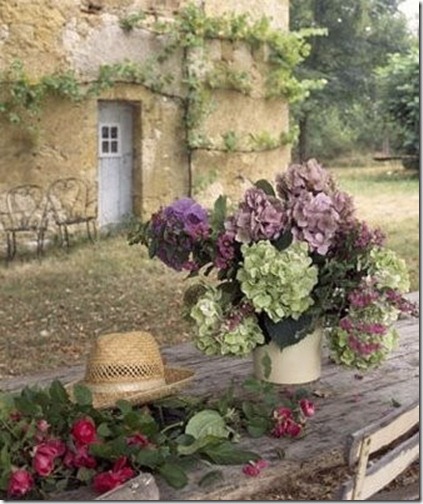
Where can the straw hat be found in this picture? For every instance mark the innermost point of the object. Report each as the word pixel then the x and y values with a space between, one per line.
pixel 129 366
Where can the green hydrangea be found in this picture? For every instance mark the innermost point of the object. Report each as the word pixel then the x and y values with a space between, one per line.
pixel 216 335
pixel 389 270
pixel 342 353
pixel 278 282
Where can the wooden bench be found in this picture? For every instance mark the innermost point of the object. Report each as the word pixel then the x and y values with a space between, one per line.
pixel 372 476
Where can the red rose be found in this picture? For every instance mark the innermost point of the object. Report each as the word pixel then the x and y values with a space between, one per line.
pixel 83 459
pixel 282 413
pixel 45 454
pixel 105 481
pixel 20 483
pixel 84 431
pixel 292 428
pixel 138 439
pixel 43 463
pixel 307 407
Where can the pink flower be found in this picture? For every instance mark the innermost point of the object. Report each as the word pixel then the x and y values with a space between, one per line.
pixel 79 458
pixel 43 463
pixel 105 481
pixel 307 407
pixel 292 428
pixel 84 431
pixel 43 425
pixel 20 483
pixel 281 413
pixel 45 455
pixel 138 439
pixel 254 468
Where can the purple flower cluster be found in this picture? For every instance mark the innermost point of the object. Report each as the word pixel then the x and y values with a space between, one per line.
pixel 317 211
pixel 176 230
pixel 225 250
pixel 402 304
pixel 237 315
pixel 310 177
pixel 259 217
pixel 366 237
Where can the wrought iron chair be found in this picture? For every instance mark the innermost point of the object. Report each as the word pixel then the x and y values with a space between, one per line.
pixel 70 204
pixel 24 210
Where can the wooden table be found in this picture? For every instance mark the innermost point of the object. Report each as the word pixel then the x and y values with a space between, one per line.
pixel 348 401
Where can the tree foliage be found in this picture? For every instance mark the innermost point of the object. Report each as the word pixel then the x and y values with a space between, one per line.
pixel 399 89
pixel 360 36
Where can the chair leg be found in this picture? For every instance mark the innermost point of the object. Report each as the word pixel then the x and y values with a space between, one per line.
pixel 65 228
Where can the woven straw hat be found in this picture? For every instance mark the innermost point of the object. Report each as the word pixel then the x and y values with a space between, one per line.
pixel 129 366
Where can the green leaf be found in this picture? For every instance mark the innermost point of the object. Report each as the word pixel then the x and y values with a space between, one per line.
pixel 85 474
pixel 103 430
pixel 82 395
pixel 258 426
pixel 123 406
pixel 284 241
pixel 287 331
pixel 266 362
pixel 265 186
pixel 226 453
pixel 197 445
pixel 26 406
pixel 174 475
pixel 219 214
pixel 210 478
pixel 149 458
pixel 58 392
pixel 207 422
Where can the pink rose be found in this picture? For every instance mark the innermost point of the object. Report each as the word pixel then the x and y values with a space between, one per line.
pixel 307 407
pixel 43 463
pixel 139 440
pixel 45 455
pixel 83 459
pixel 254 468
pixel 282 413
pixel 292 428
pixel 105 481
pixel 43 425
pixel 20 483
pixel 84 431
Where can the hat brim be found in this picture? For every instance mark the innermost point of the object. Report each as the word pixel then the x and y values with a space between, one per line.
pixel 175 378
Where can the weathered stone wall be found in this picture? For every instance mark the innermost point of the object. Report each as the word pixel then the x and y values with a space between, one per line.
pixel 51 35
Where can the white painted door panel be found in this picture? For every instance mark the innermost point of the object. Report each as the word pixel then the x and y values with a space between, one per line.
pixel 115 162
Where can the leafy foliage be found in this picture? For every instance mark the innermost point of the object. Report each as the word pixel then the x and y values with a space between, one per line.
pixel 399 100
pixel 49 443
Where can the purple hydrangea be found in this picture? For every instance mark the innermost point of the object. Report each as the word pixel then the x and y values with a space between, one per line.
pixel 309 176
pixel 259 217
pixel 189 215
pixel 176 231
pixel 314 220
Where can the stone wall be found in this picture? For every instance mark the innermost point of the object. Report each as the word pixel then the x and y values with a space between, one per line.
pixel 58 35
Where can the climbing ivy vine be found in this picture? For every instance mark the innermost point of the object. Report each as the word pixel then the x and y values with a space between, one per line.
pixel 190 31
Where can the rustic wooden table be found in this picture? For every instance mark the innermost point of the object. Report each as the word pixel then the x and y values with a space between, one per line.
pixel 346 401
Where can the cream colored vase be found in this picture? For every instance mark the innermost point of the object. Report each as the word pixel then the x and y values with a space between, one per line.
pixel 295 364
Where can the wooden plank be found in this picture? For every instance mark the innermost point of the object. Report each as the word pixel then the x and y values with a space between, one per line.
pixel 384 431
pixel 141 488
pixel 385 470
pixel 407 493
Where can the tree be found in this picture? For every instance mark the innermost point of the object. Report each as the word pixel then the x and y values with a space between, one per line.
pixel 361 35
pixel 399 90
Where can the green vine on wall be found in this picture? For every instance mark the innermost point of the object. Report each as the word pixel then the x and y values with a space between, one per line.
pixel 21 98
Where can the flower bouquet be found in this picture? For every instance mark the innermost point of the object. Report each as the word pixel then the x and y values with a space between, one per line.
pixel 289 258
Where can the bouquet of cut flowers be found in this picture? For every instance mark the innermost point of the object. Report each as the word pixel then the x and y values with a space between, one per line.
pixel 290 257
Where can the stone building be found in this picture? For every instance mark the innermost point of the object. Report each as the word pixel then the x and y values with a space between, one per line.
pixel 132 137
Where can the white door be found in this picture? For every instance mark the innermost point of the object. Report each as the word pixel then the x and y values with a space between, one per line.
pixel 115 162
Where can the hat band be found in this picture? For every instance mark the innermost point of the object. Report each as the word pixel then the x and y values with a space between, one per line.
pixel 104 388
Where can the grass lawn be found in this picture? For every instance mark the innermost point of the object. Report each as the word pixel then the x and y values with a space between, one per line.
pixel 51 310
